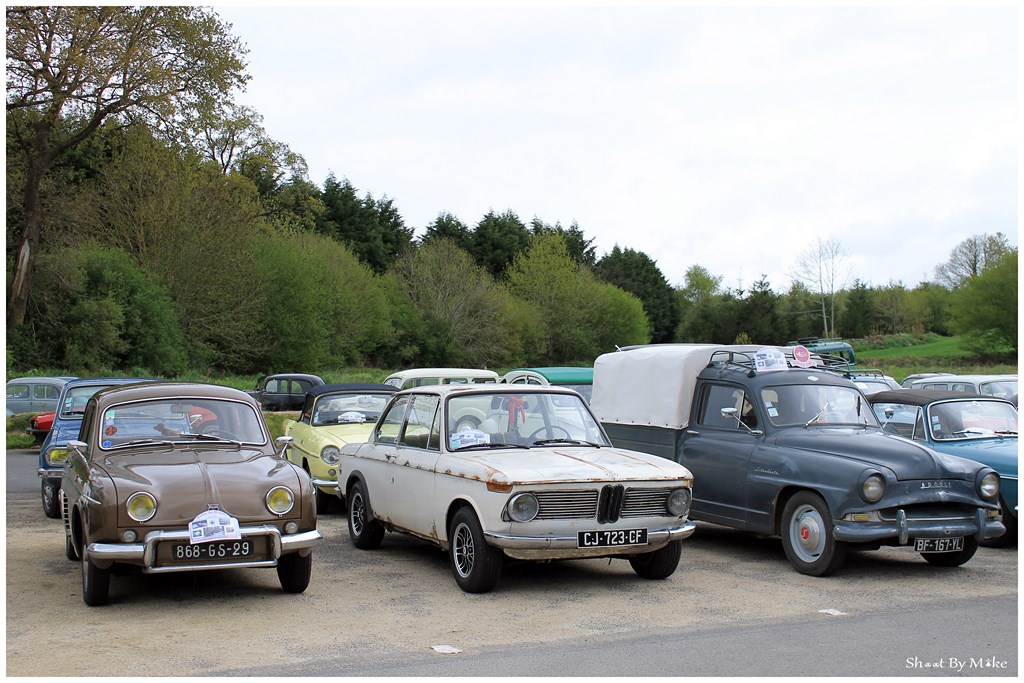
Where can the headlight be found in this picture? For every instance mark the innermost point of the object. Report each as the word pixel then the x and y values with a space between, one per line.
pixel 678 502
pixel 280 500
pixel 523 507
pixel 141 506
pixel 873 488
pixel 330 455
pixel 57 456
pixel 988 487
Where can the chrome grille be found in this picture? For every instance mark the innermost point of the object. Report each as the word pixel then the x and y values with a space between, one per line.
pixel 566 504
pixel 645 502
pixel 931 512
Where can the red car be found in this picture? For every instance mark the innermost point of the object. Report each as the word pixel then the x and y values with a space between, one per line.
pixel 40 425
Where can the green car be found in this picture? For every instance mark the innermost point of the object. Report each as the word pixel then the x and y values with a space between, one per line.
pixel 580 380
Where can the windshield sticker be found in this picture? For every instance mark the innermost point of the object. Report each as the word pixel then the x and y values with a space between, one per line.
pixel 352 416
pixel 468 437
pixel 213 525
pixel 772 410
pixel 769 359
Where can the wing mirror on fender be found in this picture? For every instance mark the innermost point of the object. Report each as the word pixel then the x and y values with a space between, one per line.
pixel 283 442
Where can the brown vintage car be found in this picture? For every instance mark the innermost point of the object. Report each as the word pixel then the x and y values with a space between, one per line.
pixel 175 477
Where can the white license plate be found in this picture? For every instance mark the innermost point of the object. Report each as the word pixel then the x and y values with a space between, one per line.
pixel 607 538
pixel 213 551
pixel 939 545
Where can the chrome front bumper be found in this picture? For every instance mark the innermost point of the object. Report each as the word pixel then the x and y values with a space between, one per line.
pixel 144 554
pixel 904 529
pixel 654 538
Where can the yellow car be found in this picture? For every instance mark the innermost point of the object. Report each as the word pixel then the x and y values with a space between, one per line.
pixel 332 415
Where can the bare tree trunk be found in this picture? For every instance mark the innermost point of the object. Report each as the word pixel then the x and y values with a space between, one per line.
pixel 21 283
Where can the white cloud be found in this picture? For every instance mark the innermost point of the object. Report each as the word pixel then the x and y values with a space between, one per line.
pixel 726 137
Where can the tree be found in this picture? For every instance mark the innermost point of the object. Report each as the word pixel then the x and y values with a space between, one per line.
pixel 894 307
pixel 760 315
pixel 932 306
pixel 859 314
pixel 446 226
pixel 373 230
pixel 985 308
pixel 969 258
pixel 635 272
pixel 580 249
pixel 69 69
pixel 497 240
pixel 818 268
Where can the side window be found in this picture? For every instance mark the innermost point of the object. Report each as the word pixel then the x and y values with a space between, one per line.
pixel 391 423
pixel 307 410
pixel 48 391
pixel 301 386
pixel 421 421
pixel 271 386
pixel 17 391
pixel 714 398
pixel 39 390
pixel 959 386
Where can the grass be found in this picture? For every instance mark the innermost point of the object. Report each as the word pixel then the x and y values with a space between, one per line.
pixel 902 355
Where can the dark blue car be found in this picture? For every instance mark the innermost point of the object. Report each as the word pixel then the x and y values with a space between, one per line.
pixel 973 426
pixel 67 421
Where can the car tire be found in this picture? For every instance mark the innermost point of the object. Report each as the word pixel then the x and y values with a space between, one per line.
pixel 366 533
pixel 475 565
pixel 954 559
pixel 807 536
pixel 95 582
pixel 294 571
pixel 50 491
pixel 1010 522
pixel 658 564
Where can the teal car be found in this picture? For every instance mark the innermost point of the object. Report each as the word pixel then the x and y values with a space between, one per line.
pixel 972 426
pixel 580 380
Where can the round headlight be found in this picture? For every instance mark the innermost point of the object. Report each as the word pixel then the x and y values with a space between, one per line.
pixel 678 502
pixel 523 507
pixel 873 488
pixel 141 506
pixel 280 500
pixel 330 455
pixel 988 487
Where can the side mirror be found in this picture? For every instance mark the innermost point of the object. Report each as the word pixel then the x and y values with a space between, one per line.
pixel 733 414
pixel 889 412
pixel 283 442
pixel 79 447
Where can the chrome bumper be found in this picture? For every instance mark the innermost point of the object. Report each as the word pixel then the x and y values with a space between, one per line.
pixel 144 553
pixel 903 529
pixel 44 473
pixel 659 537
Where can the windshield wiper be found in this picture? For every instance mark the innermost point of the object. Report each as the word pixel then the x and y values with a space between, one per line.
pixel 572 441
pixel 481 446
pixel 817 417
pixel 146 442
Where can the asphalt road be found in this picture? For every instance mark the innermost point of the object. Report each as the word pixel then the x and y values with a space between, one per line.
pixel 734 608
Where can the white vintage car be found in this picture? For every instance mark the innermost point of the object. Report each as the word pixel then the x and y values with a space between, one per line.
pixel 536 479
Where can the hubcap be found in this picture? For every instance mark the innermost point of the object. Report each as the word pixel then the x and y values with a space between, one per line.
pixel 463 551
pixel 807 533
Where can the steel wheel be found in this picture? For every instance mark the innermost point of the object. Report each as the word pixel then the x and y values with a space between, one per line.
pixel 366 532
pixel 807 536
pixel 51 501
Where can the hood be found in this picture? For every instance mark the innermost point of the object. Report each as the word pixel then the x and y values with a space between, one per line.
pixel 64 430
pixel 352 432
pixel 907 459
pixel 998 453
pixel 186 482
pixel 543 465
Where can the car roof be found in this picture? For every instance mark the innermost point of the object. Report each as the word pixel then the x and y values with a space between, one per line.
pixel 141 391
pixel 561 374
pixel 965 378
pixel 47 379
pixel 350 386
pixel 923 397
pixel 443 372
pixel 91 381
pixel 444 390
pixel 295 375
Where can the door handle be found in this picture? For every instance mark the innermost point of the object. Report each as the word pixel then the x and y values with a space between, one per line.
pixel 390 456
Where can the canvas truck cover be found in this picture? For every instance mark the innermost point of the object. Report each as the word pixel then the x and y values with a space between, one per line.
pixel 649 385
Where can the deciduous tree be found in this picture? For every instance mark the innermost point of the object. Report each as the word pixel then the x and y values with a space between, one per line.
pixel 821 269
pixel 969 258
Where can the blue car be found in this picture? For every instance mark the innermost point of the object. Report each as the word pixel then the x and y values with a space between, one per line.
pixel 67 421
pixel 973 426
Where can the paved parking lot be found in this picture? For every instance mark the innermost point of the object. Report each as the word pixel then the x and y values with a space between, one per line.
pixel 381 608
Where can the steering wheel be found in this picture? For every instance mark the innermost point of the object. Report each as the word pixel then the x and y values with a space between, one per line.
pixel 221 433
pixel 553 428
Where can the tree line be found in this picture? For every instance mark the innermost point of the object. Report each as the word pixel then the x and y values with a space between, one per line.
pixel 154 227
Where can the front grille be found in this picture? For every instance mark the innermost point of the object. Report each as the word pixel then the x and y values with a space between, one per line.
pixel 609 504
pixel 566 504
pixel 931 513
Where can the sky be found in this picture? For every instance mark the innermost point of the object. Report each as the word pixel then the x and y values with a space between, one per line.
pixel 727 137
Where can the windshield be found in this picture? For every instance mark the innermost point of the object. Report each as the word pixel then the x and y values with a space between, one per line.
pixel 813 404
pixel 955 420
pixel 180 420
pixel 525 419
pixel 73 406
pixel 351 407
